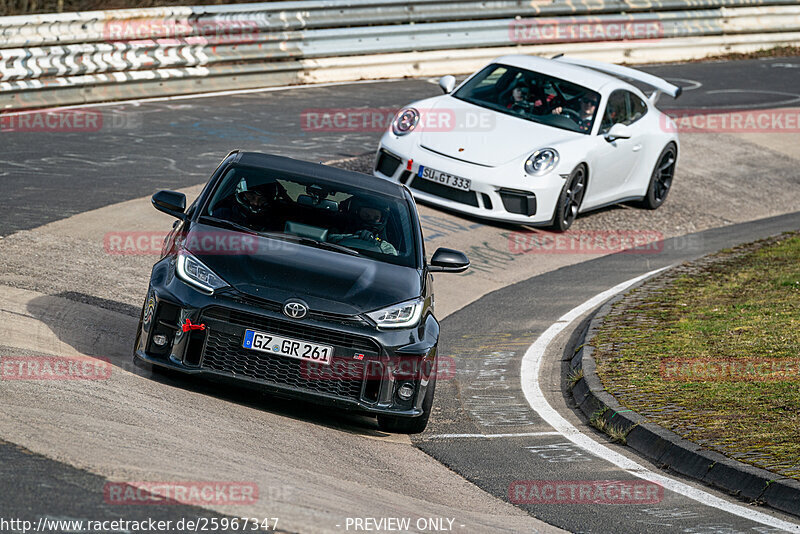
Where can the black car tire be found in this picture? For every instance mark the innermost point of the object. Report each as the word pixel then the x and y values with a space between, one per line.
pixel 569 202
pixel 410 425
pixel 141 364
pixel 148 369
pixel 661 179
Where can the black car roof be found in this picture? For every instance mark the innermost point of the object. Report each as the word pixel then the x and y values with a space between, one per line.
pixel 323 172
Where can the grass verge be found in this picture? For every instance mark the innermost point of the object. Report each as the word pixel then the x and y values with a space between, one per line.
pixel 616 433
pixel 712 352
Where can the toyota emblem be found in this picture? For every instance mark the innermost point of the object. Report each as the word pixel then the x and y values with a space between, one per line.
pixel 295 309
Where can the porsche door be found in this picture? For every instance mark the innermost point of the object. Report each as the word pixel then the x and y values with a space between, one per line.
pixel 617 161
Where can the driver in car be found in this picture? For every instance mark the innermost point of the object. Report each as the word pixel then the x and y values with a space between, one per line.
pixel 539 103
pixel 588 105
pixel 249 205
pixel 368 220
pixel 519 96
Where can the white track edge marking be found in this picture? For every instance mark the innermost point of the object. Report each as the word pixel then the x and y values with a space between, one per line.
pixel 529 371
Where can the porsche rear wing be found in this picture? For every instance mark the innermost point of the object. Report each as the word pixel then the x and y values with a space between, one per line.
pixel 660 85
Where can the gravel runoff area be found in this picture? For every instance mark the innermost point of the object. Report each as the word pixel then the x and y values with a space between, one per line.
pixel 711 351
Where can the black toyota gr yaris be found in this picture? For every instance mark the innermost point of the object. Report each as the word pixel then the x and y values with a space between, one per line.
pixel 302 280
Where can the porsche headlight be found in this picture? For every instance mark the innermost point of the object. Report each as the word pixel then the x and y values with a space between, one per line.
pixel 400 315
pixel 405 121
pixel 194 272
pixel 541 162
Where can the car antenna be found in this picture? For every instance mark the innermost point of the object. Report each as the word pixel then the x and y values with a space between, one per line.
pixel 557 56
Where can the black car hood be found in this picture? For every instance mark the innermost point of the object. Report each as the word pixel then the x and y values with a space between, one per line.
pixel 327 281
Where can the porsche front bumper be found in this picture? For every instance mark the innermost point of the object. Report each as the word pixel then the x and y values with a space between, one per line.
pixel 503 193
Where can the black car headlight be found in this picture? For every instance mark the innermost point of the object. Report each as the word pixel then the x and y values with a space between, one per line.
pixel 405 121
pixel 195 272
pixel 401 315
pixel 541 162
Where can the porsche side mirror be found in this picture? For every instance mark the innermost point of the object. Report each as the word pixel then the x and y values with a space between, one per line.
pixel 171 203
pixel 618 131
pixel 447 260
pixel 447 83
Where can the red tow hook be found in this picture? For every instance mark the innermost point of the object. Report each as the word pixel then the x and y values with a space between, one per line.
pixel 189 326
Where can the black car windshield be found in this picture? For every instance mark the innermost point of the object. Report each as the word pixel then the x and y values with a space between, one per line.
pixel 532 96
pixel 313 212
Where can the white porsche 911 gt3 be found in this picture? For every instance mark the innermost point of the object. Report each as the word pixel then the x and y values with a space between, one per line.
pixel 535 141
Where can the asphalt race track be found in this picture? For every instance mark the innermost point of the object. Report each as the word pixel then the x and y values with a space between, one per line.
pixel 141 147
pixel 63 293
pixel 487 398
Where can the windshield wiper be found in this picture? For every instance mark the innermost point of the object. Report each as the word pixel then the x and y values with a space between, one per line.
pixel 333 246
pixel 229 224
pixel 311 242
pixel 282 236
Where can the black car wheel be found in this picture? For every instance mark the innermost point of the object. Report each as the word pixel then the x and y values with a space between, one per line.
pixel 410 425
pixel 136 361
pixel 661 179
pixel 570 200
pixel 147 368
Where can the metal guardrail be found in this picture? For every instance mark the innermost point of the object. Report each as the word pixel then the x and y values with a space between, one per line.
pixel 154 23
pixel 48 53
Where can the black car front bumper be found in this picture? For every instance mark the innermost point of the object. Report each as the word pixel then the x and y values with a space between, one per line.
pixel 368 365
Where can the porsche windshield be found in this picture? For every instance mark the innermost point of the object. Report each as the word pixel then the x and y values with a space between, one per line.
pixel 532 96
pixel 314 212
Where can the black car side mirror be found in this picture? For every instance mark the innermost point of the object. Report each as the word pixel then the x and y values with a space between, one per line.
pixel 447 260
pixel 171 203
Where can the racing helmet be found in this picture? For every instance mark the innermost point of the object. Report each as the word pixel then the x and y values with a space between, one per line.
pixel 369 213
pixel 255 200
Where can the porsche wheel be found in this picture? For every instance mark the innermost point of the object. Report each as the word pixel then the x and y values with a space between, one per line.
pixel 569 203
pixel 661 179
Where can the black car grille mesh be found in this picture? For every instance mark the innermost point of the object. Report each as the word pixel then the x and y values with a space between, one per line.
pixel 224 353
pixel 299 330
pixel 450 193
pixel 387 163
